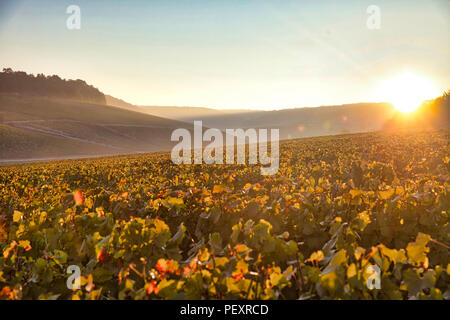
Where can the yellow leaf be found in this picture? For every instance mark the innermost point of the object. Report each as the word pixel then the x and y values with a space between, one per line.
pixel 359 251
pixel 417 250
pixel 351 271
pixel 17 216
pixel 175 201
pixel 218 188
pixel 316 256
pixel 24 243
pixel 384 195
pixel 364 217
pixel 355 192
pixel 241 248
pixel 399 190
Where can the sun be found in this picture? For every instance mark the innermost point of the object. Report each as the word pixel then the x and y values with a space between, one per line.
pixel 406 91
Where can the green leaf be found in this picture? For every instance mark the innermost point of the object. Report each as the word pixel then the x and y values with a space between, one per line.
pixel 414 283
pixel 178 236
pixel 167 288
pixel 215 241
pixel 101 275
pixel 59 256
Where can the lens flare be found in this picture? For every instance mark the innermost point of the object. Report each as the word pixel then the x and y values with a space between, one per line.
pixel 406 91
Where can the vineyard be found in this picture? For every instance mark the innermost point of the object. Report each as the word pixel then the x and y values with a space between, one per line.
pixel 141 227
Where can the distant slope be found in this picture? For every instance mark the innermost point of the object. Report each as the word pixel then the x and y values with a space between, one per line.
pixel 327 120
pixel 16 107
pixel 293 123
pixel 119 103
pixel 34 126
pixel 17 143
pixel 178 113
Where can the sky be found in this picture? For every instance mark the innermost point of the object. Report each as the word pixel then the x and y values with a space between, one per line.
pixel 235 54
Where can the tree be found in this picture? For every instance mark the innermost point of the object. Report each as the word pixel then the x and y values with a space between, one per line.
pixel 53 86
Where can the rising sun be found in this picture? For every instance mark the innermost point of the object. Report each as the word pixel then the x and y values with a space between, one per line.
pixel 406 91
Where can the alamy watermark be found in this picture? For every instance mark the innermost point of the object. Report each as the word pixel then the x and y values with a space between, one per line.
pixel 73 22
pixel 374 20
pixel 256 140
pixel 374 280
pixel 74 280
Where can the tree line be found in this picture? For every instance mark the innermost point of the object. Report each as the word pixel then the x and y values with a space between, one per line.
pixel 53 86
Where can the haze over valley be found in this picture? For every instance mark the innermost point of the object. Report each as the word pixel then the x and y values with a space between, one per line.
pixel 46 117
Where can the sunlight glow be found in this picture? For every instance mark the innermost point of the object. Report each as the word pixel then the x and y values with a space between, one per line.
pixel 406 91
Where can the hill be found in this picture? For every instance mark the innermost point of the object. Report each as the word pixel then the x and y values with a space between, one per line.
pixel 190 114
pixel 119 103
pixel 36 127
pixel 293 123
pixel 187 114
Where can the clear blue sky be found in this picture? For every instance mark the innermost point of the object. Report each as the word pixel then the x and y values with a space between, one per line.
pixel 232 53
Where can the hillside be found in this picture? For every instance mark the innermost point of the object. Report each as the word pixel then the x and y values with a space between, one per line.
pixel 187 114
pixel 293 123
pixel 192 113
pixel 36 127
pixel 19 143
pixel 322 121
pixel 119 103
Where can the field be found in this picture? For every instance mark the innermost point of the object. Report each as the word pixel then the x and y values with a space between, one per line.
pixel 140 227
pixel 37 127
